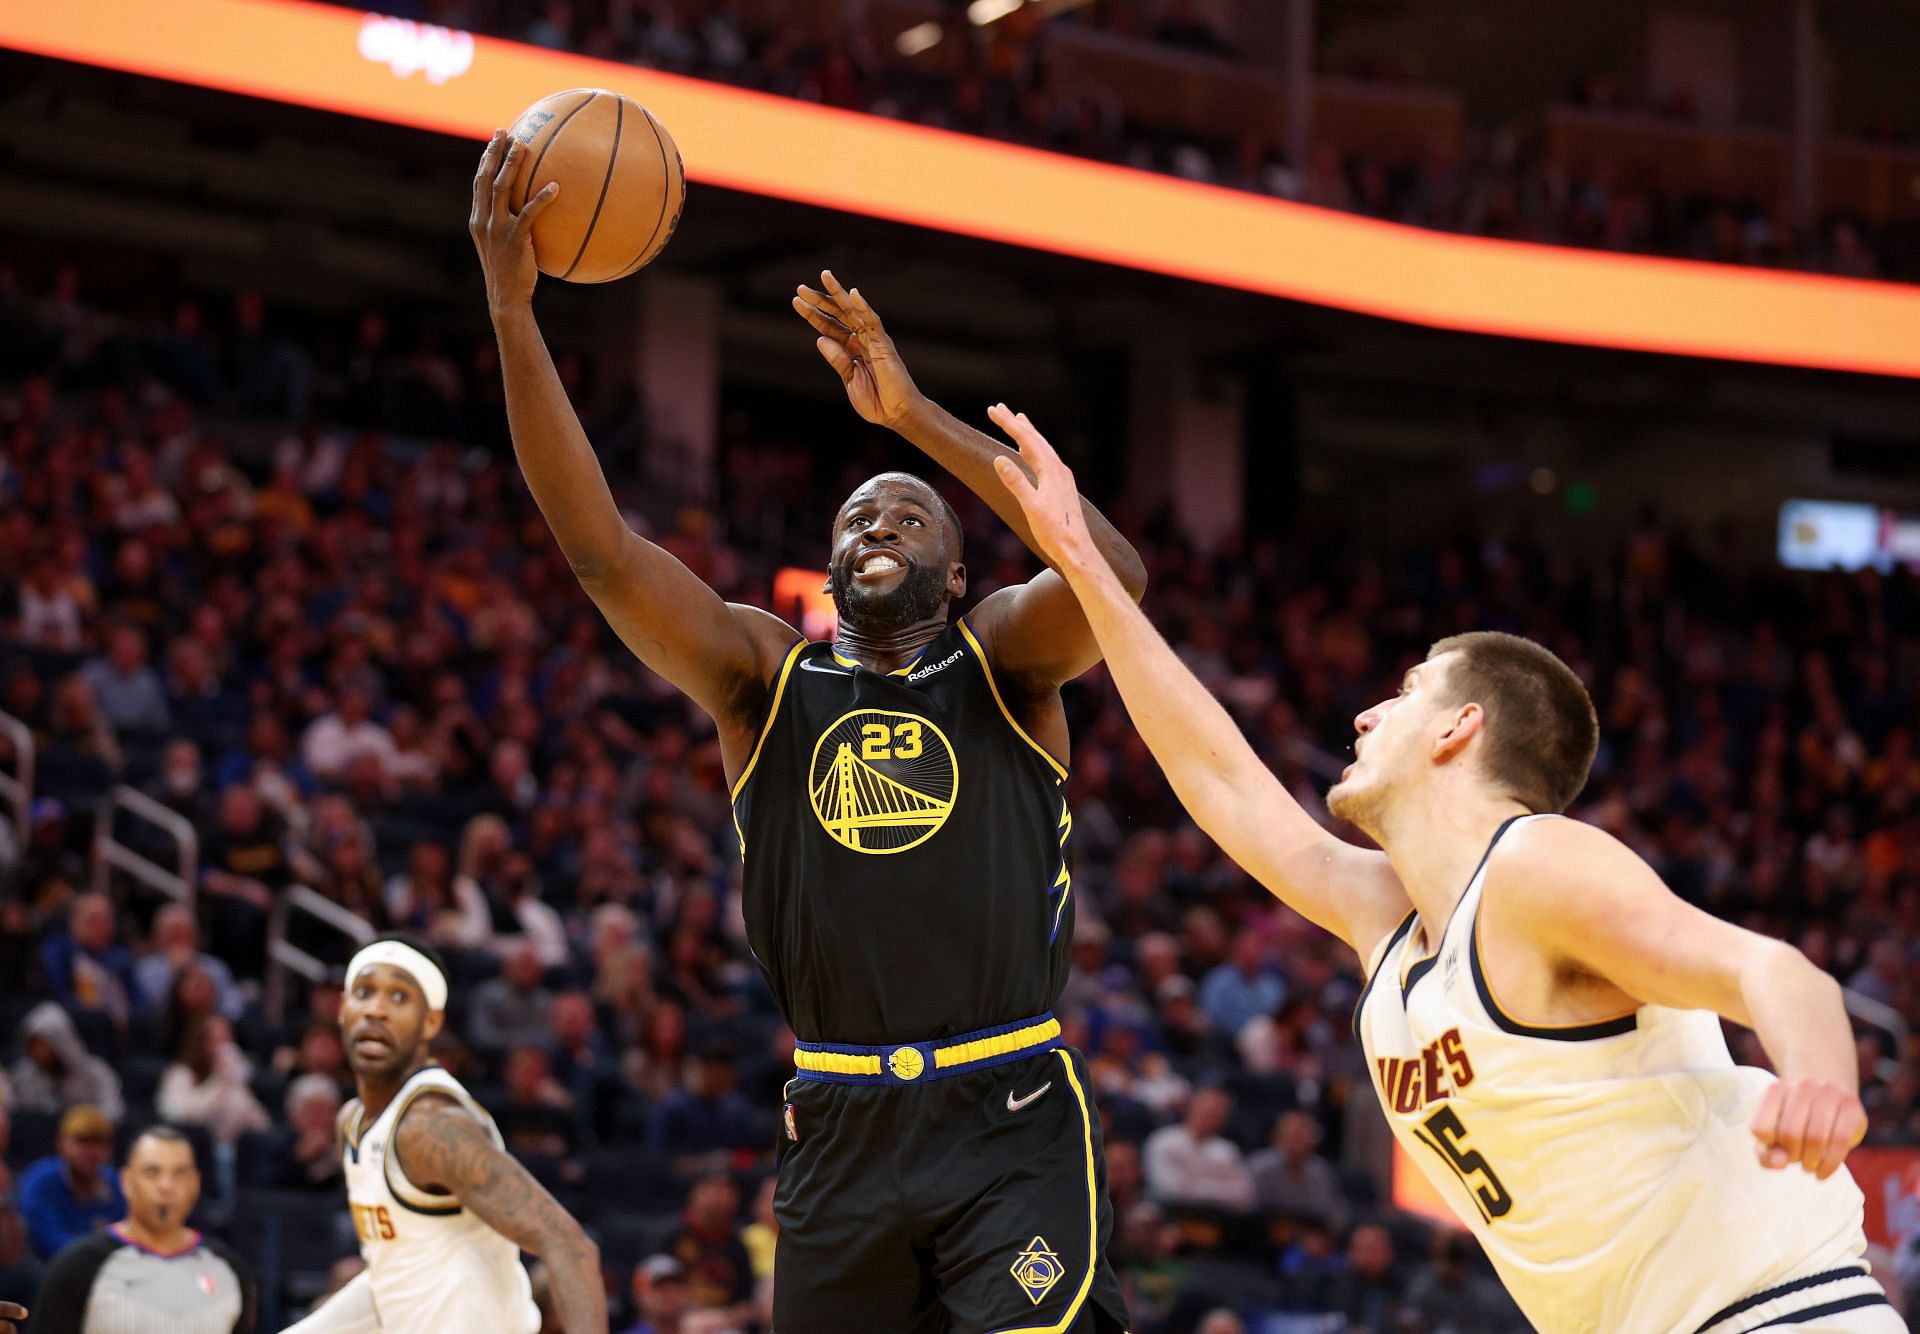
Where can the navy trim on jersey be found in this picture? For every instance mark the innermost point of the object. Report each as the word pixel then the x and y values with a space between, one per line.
pixel 1424 966
pixel 362 1124
pixel 1406 924
pixel 1787 1289
pixel 1831 1308
pixel 1606 1028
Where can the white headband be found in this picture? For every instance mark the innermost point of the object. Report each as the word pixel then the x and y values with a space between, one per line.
pixel 395 954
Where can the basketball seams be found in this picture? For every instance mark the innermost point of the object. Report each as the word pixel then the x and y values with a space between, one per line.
pixel 666 170
pixel 613 157
pixel 533 171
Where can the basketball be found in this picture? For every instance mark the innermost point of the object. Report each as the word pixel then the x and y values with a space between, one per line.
pixel 621 183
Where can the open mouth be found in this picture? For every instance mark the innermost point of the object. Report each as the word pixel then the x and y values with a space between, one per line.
pixel 877 565
pixel 372 1044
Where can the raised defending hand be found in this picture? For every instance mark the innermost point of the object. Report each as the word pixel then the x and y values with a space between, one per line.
pixel 1809 1122
pixel 1049 498
pixel 8 1314
pixel 505 238
pixel 856 344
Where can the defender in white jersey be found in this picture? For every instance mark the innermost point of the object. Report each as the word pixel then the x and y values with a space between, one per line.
pixel 441 1209
pixel 1541 1013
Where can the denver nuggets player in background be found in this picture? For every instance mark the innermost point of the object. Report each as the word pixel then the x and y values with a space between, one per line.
pixel 899 797
pixel 441 1209
pixel 1541 1014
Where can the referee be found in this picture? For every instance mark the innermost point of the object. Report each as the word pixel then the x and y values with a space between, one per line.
pixel 149 1271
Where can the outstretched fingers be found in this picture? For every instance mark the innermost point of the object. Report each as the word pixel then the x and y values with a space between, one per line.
pixel 482 213
pixel 1034 448
pixel 509 167
pixel 812 307
pixel 524 219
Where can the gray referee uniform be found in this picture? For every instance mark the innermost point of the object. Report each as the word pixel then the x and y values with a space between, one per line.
pixel 106 1284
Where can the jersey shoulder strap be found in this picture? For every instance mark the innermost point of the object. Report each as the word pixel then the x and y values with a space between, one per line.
pixel 431 1080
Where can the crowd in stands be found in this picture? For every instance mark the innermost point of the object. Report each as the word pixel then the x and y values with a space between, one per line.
pixel 1000 82
pixel 355 661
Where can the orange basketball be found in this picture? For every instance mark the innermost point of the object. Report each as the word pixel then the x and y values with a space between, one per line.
pixel 621 183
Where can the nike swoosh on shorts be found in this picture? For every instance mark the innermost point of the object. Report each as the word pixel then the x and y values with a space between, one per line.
pixel 1015 1104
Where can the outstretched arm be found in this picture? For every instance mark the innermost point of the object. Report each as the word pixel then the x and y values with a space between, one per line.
pixel 1036 630
pixel 1230 794
pixel 1612 917
pixel 719 654
pixel 442 1146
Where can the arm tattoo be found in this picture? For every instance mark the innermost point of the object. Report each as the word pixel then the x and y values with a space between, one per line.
pixel 442 1145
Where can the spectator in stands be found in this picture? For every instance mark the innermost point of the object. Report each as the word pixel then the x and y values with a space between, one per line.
pixel 20 1270
pixel 659 1295
pixel 83 756
pixel 653 1065
pixel 208 1085
pixel 337 738
pixel 513 1009
pixel 126 689
pixel 583 1066
pixel 708 1115
pixel 304 1154
pixel 1220 1321
pixel 56 1071
pixel 1291 1178
pixel 718 1270
pixel 536 1113
pixel 761 1236
pixel 319 1051
pixel 522 919
pixel 176 947
pixel 1192 1163
pixel 1244 987
pixel 51 614
pixel 1367 1290
pixel 90 973
pixel 248 860
pixel 75 1189
pixel 1448 1294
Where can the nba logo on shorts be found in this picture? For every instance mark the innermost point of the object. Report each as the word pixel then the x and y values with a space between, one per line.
pixel 793 1131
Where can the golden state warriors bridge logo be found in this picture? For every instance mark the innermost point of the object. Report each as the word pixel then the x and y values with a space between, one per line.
pixel 883 782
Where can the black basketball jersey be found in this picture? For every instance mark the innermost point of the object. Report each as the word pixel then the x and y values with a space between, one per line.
pixel 906 847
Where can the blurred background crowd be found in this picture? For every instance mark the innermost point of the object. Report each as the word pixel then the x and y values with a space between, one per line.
pixel 356 663
pixel 274 580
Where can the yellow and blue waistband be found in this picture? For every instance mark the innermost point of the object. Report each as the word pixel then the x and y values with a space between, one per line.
pixel 917 1062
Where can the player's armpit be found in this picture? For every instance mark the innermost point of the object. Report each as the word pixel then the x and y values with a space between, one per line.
pixel 1589 903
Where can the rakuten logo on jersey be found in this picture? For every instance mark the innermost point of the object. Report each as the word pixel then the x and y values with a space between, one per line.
pixel 409 48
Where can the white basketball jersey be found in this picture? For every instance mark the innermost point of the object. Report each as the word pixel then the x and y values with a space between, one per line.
pixel 432 1265
pixel 1607 1169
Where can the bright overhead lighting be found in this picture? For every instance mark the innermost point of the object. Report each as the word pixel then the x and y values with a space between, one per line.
pixel 920 37
pixel 983 12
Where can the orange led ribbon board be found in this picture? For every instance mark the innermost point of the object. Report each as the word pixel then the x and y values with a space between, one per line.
pixel 438 79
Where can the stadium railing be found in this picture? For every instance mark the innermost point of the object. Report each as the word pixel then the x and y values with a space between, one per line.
pixel 284 957
pixel 111 854
pixel 16 788
pixel 1866 1010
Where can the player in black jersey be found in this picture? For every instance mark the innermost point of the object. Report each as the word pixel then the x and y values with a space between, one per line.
pixel 899 796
